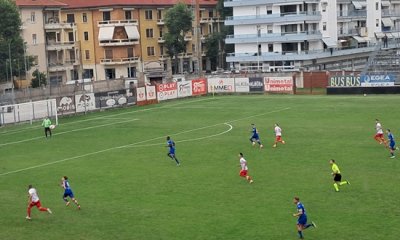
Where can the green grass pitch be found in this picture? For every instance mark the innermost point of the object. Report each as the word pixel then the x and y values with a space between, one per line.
pixel 129 189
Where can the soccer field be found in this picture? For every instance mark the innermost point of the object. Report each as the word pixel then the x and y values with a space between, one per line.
pixel 129 189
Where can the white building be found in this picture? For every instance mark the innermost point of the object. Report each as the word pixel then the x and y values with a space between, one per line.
pixel 284 35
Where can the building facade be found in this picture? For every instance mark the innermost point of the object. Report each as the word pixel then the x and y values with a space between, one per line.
pixel 277 35
pixel 104 40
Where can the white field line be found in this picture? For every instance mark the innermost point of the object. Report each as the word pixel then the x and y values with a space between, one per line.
pixel 133 144
pixel 187 140
pixel 60 133
pixel 9 132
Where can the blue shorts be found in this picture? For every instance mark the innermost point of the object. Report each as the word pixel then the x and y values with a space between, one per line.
pixel 171 152
pixel 302 220
pixel 68 193
pixel 392 145
pixel 255 136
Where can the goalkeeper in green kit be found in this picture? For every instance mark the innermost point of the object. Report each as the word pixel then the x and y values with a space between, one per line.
pixel 46 124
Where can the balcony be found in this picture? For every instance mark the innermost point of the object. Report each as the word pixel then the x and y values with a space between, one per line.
pixel 119 61
pixel 163 57
pixel 62 66
pixel 353 15
pixel 55 24
pixel 239 3
pixel 188 38
pixel 185 55
pixel 210 19
pixel 160 22
pixel 118 42
pixel 161 40
pixel 390 13
pixel 348 32
pixel 364 51
pixel 56 46
pixel 117 23
pixel 276 19
pixel 274 37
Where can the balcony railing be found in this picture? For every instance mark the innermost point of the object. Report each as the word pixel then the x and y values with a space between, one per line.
pixel 237 3
pixel 210 19
pixel 119 42
pixel 160 22
pixel 348 32
pixel 352 14
pixel 118 23
pixel 52 45
pixel 161 40
pixel 188 38
pixel 49 25
pixel 115 61
pixel 250 17
pixel 390 13
pixel 272 35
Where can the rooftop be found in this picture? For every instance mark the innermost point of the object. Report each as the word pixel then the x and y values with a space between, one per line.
pixel 40 3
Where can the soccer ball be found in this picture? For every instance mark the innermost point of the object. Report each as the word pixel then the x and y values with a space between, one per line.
pixel 52 126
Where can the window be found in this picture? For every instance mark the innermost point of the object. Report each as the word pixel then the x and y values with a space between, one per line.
pixel 87 54
pixel 128 15
pixel 88 73
pixel 148 14
pixel 269 28
pixel 150 51
pixel 159 14
pixel 324 7
pixel 86 36
pixel 109 53
pixel 131 52
pixel 377 23
pixel 161 50
pixel 34 39
pixel 270 47
pixel 131 72
pixel 84 17
pixel 324 26
pixel 71 37
pixel 106 16
pixel 211 14
pixel 149 33
pixel 377 6
pixel 33 17
pixel 70 18
pixel 269 9
pixel 161 33
pixel 110 73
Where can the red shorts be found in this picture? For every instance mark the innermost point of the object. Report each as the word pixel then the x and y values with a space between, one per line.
pixel 37 204
pixel 379 135
pixel 243 173
pixel 278 138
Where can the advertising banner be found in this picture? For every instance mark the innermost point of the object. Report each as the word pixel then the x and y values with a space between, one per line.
pixel 85 102
pixel 184 89
pixel 344 81
pixel 66 105
pixel 278 84
pixel 199 86
pixel 141 94
pixel 256 84
pixel 221 85
pixel 151 93
pixel 167 91
pixel 377 80
pixel 111 99
pixel 242 85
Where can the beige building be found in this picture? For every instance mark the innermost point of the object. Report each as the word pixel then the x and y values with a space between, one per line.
pixel 33 31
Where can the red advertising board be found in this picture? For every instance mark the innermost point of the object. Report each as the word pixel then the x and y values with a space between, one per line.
pixel 199 86
pixel 167 91
pixel 278 84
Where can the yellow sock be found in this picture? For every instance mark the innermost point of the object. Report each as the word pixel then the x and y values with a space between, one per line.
pixel 336 187
pixel 343 183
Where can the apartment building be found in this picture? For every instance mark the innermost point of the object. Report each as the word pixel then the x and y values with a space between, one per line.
pixel 99 40
pixel 34 31
pixel 277 35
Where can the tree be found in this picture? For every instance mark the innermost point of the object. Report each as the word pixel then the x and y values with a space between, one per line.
pixel 178 21
pixel 38 79
pixel 10 39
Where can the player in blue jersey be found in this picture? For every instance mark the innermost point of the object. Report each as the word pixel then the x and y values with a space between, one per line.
pixel 392 143
pixel 302 217
pixel 171 153
pixel 68 192
pixel 255 137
